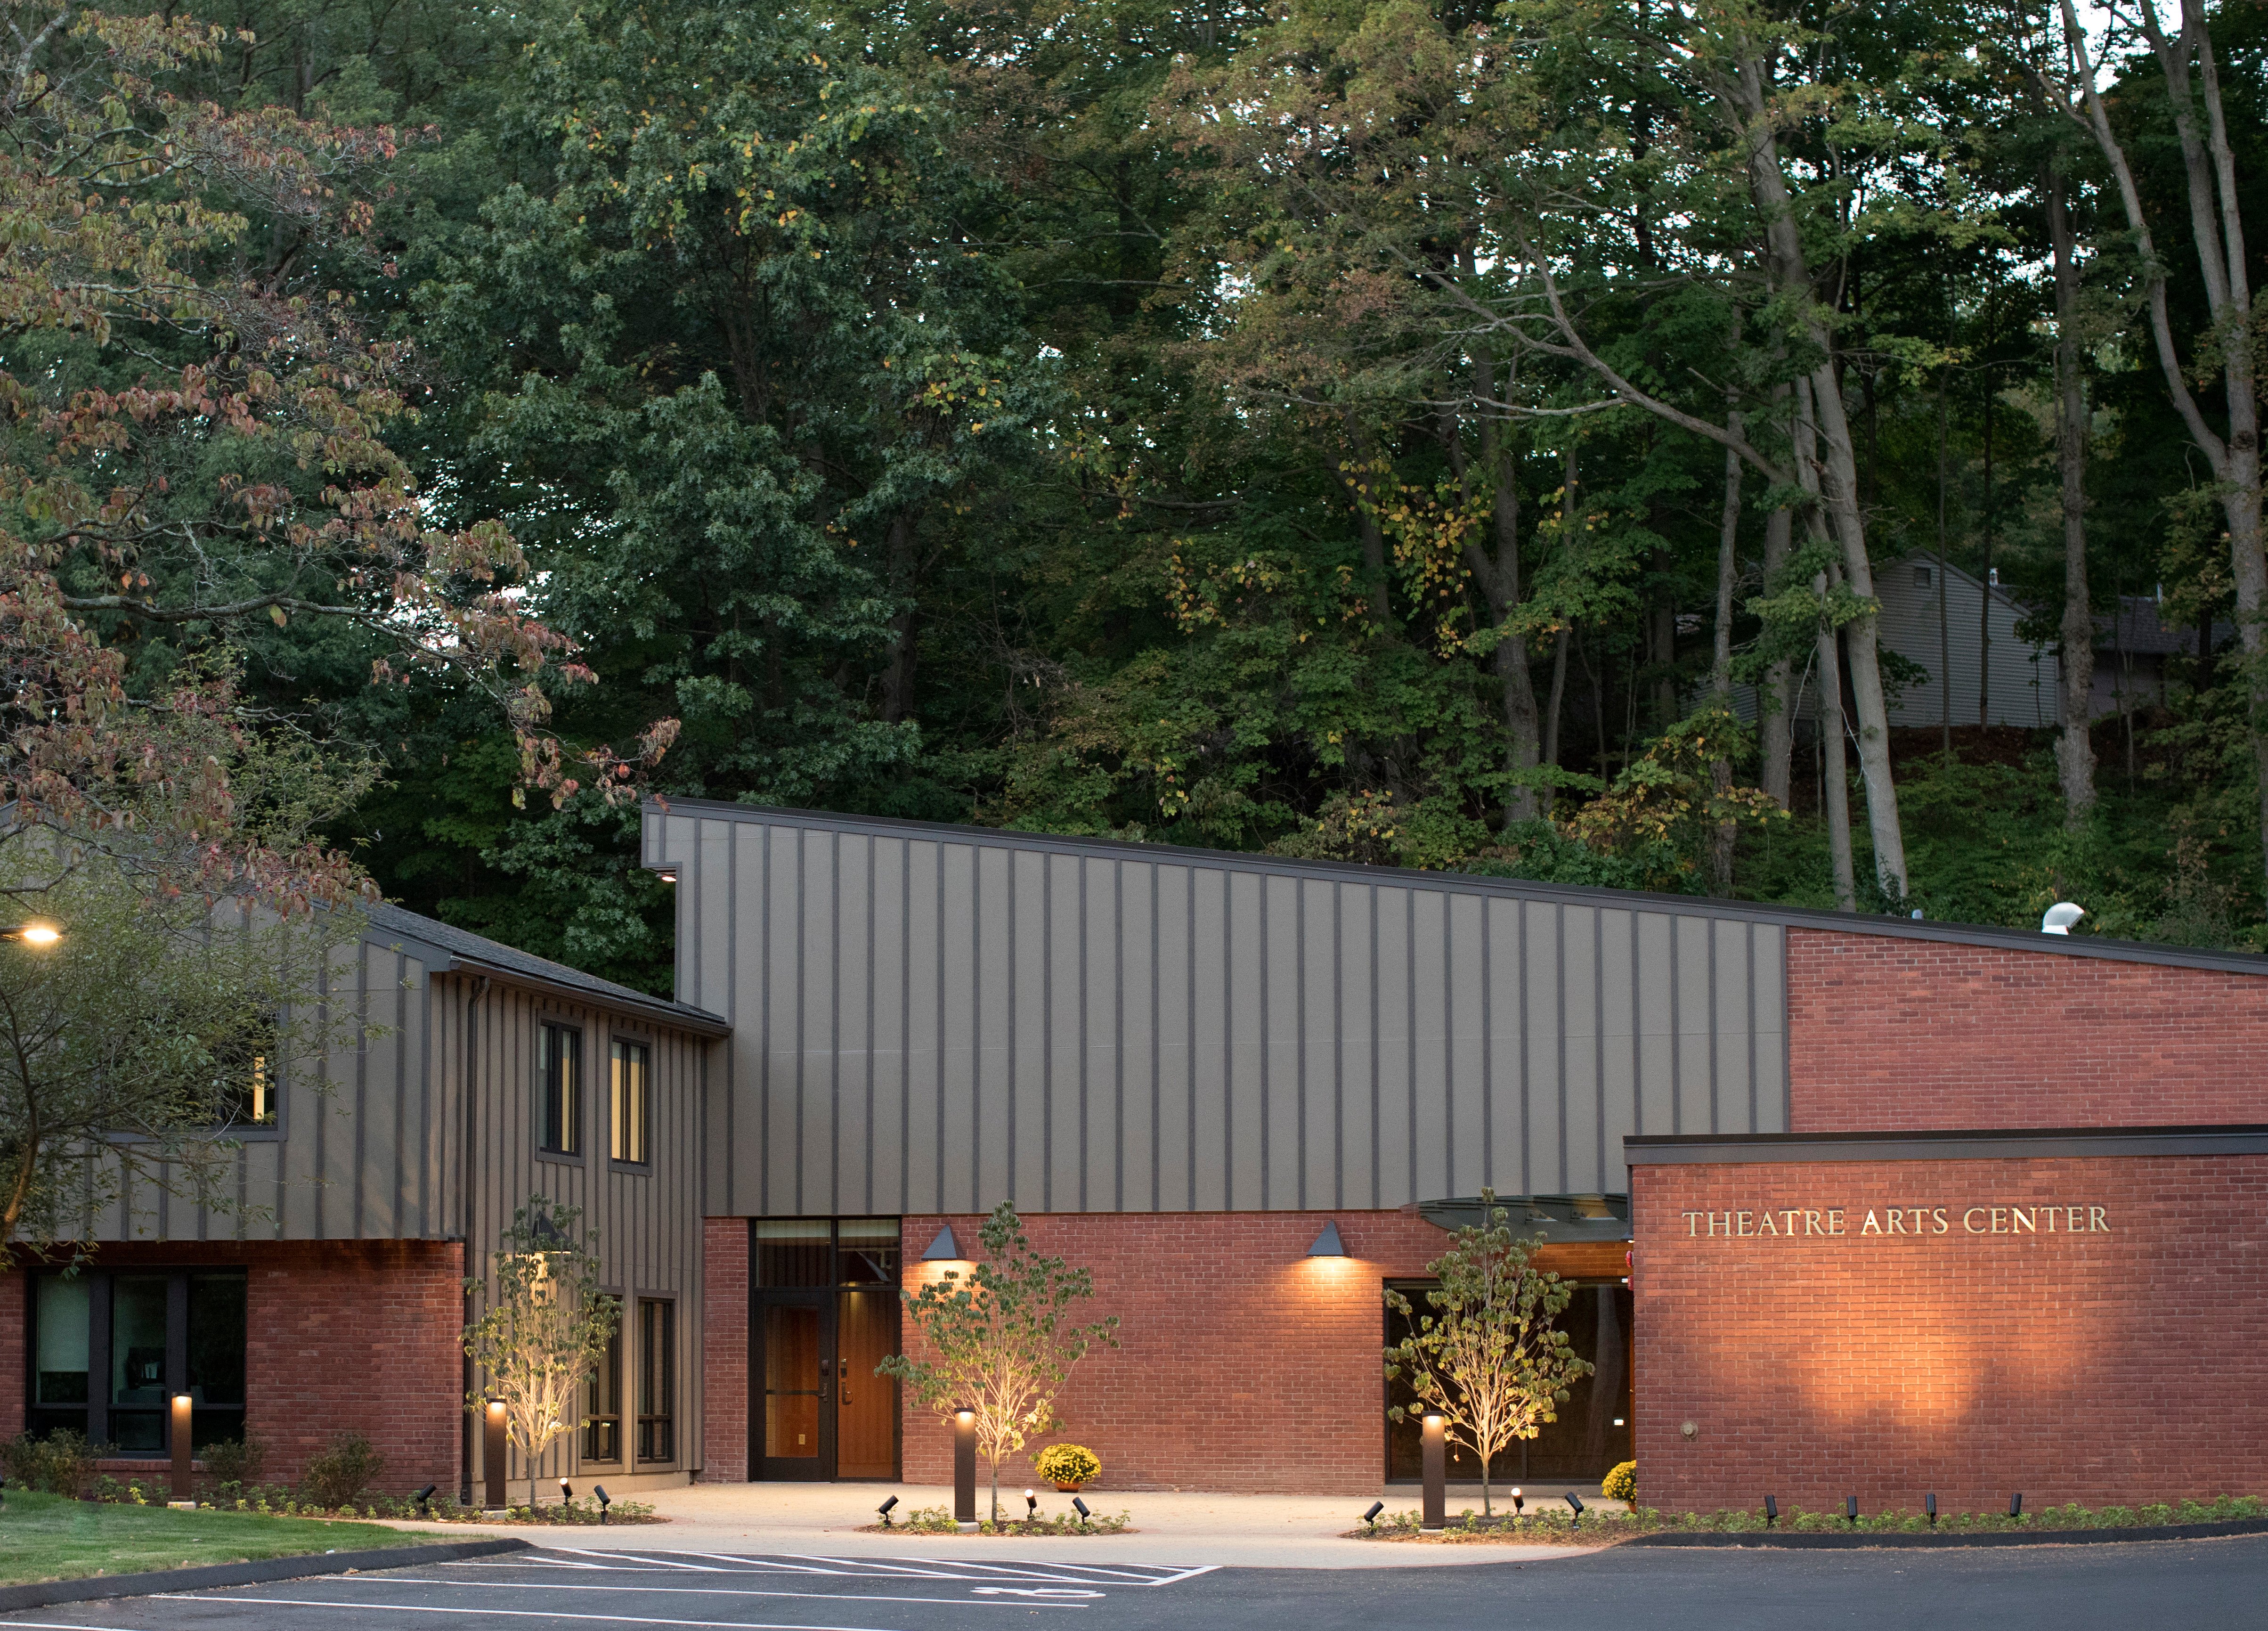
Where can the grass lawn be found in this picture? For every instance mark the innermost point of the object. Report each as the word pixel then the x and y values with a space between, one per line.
pixel 45 1536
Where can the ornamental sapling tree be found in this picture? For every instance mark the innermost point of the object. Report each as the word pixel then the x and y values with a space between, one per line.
pixel 546 1328
pixel 1488 1358
pixel 998 1341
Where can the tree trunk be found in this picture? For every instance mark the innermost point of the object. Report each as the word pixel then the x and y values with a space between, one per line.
pixel 2217 230
pixel 1776 704
pixel 1661 637
pixel 2074 752
pixel 1944 620
pixel 1819 404
pixel 905 627
pixel 1552 713
pixel 1984 595
pixel 1720 659
pixel 1360 477
pixel 1498 573
pixel 1834 785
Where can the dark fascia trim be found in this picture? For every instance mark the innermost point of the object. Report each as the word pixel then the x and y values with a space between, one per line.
pixel 652 1010
pixel 1464 883
pixel 2016 1143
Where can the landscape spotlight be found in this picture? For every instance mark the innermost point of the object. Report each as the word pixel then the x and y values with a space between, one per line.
pixel 1929 1505
pixel 1370 1516
pixel 1575 1501
pixel 1851 1507
pixel 1771 1510
pixel 423 1496
pixel 565 1492
pixel 2016 1504
pixel 1031 1506
pixel 885 1511
pixel 605 1500
pixel 1518 1505
pixel 1082 1513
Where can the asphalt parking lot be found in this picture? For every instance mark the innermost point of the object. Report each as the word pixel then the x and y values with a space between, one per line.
pixel 2073 1588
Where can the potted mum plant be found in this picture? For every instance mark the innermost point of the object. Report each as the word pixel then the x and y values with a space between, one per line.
pixel 1068 1466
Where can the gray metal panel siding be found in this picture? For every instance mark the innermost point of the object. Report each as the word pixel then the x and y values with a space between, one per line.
pixel 932 1023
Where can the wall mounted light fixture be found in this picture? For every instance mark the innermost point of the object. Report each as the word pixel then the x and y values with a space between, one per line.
pixel 944 1248
pixel 1327 1244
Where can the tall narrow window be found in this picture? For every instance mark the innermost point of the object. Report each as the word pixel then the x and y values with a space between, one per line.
pixel 630 1106
pixel 245 1095
pixel 602 1431
pixel 563 1089
pixel 60 1309
pixel 657 1380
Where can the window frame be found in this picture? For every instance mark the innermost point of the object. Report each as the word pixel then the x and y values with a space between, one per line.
pixel 93 1418
pixel 643 1161
pixel 549 1093
pixel 647 1376
pixel 611 1368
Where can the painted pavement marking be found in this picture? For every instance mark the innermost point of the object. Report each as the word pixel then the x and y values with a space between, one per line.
pixel 507 1614
pixel 654 1590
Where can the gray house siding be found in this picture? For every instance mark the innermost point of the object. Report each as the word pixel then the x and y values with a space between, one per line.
pixel 929 1019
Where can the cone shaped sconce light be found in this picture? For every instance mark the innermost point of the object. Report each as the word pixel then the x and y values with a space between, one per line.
pixel 1327 1244
pixel 944 1248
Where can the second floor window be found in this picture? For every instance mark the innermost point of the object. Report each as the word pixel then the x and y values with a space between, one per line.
pixel 631 1110
pixel 563 1089
pixel 246 1092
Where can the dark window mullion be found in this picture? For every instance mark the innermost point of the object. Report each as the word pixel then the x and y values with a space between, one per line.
pixel 97 1359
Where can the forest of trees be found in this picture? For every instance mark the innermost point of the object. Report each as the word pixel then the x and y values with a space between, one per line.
pixel 1359 428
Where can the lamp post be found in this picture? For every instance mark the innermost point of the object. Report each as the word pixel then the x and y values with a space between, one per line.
pixel 1435 1427
pixel 492 1455
pixel 37 933
pixel 964 1467
pixel 184 1493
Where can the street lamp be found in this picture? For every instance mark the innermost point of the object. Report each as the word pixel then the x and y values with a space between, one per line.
pixel 38 933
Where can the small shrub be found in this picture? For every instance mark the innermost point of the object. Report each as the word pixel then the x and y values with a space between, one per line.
pixel 1068 1464
pixel 61 1464
pixel 235 1462
pixel 1622 1483
pixel 340 1472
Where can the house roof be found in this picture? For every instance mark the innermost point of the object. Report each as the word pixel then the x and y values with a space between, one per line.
pixel 2138 628
pixel 1470 884
pixel 443 947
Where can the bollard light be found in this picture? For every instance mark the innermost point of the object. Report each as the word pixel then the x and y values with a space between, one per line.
pixel 2016 1504
pixel 494 1457
pixel 183 1488
pixel 1433 1439
pixel 964 1466
pixel 605 1500
pixel 1929 1505
pixel 1370 1516
pixel 1771 1510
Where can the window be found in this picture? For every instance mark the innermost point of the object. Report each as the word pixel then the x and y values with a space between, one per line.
pixel 657 1380
pixel 247 1093
pixel 563 1089
pixel 113 1349
pixel 630 1114
pixel 1924 577
pixel 602 1431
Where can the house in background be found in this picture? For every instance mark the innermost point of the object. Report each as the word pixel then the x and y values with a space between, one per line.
pixel 2136 651
pixel 1984 650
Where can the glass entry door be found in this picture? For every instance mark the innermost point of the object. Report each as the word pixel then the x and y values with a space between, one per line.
pixel 823 1314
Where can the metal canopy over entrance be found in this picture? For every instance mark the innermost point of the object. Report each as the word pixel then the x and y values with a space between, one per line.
pixel 823 1312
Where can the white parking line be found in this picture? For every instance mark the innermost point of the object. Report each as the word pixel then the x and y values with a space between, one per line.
pixel 507 1614
pixel 1075 1574
pixel 553 1586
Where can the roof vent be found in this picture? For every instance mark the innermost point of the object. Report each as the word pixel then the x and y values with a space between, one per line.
pixel 2060 917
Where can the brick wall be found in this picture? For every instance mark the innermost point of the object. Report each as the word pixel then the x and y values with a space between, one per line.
pixel 342 1337
pixel 725 1351
pixel 1243 1364
pixel 2125 1362
pixel 1915 1035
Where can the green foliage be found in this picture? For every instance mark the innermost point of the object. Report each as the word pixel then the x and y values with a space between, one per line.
pixel 1068 1464
pixel 998 1341
pixel 1620 1482
pixel 62 1463
pixel 1597 1525
pixel 939 1521
pixel 236 1463
pixel 337 1474
pixel 544 1328
pixel 1488 1357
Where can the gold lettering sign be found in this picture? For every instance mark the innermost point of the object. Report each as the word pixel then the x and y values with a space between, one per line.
pixel 1985 1218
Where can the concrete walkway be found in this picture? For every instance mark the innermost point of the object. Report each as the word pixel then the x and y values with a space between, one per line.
pixel 1175 1527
